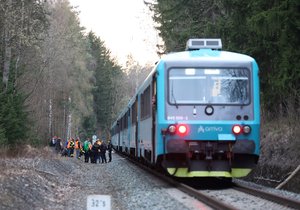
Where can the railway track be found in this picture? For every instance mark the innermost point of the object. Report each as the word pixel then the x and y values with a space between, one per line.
pixel 216 203
pixel 284 201
pixel 208 200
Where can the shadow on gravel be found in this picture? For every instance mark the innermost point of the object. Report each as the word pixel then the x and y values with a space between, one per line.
pixel 207 183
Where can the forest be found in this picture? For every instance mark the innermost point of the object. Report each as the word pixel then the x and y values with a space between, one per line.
pixel 59 80
pixel 265 30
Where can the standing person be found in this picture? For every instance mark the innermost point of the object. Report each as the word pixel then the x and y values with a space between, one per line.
pixel 78 147
pixel 70 147
pixel 102 152
pixel 109 149
pixel 65 150
pixel 98 142
pixel 95 152
pixel 87 146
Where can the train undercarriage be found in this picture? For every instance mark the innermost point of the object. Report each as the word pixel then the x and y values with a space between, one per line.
pixel 209 159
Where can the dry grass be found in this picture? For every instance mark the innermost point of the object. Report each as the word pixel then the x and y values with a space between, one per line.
pixel 280 146
pixel 280 142
pixel 26 151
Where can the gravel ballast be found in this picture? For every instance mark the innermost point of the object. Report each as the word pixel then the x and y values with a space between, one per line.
pixel 55 182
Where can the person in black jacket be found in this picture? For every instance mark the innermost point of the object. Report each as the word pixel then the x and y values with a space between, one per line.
pixel 95 151
pixel 103 151
pixel 58 145
pixel 109 149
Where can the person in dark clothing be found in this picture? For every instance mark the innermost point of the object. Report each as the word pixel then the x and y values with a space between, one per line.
pixel 95 152
pixel 109 149
pixel 58 145
pixel 64 152
pixel 102 152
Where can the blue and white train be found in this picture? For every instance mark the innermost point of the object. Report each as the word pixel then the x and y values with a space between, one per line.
pixel 197 114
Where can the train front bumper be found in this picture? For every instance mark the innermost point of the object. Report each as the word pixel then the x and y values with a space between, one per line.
pixel 184 172
pixel 209 158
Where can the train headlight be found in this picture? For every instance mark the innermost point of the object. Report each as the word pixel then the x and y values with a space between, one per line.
pixel 246 129
pixel 182 129
pixel 172 129
pixel 237 129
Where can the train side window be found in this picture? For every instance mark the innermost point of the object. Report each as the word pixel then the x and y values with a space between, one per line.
pixel 145 104
pixel 121 124
pixel 134 113
pixel 126 119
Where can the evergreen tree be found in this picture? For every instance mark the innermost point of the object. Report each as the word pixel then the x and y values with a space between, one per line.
pixel 107 76
pixel 13 118
pixel 269 31
pixel 181 20
pixel 21 26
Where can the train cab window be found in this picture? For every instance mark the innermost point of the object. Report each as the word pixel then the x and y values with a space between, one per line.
pixel 208 86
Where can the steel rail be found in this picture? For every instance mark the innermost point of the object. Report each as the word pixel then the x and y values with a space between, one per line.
pixel 284 201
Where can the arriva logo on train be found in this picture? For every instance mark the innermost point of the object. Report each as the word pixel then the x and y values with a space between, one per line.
pixel 202 129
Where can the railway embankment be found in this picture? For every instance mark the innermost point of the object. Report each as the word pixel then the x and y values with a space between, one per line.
pixel 44 180
pixel 279 163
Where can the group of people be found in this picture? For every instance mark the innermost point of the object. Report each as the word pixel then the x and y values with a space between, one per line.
pixel 95 152
pixel 92 152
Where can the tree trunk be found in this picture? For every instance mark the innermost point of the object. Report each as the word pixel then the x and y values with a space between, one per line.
pixel 69 126
pixel 50 118
pixel 19 47
pixel 7 59
pixel 7 48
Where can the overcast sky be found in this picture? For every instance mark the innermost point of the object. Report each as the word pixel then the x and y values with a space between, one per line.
pixel 125 26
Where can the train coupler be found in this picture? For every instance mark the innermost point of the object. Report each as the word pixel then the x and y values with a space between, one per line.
pixel 209 151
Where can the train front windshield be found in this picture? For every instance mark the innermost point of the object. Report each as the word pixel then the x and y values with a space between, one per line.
pixel 209 86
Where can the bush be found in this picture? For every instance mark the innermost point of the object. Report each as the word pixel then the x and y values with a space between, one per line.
pixel 3 139
pixel 13 118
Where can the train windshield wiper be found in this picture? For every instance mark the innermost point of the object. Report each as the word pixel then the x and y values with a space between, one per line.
pixel 173 97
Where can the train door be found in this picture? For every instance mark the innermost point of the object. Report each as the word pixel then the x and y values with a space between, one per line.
pixel 145 124
pixel 137 128
pixel 153 104
pixel 124 131
pixel 128 129
pixel 118 135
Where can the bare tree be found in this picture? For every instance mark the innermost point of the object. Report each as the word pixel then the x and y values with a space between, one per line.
pixel 61 92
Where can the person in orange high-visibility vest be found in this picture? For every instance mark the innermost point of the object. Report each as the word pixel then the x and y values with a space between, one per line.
pixel 70 147
pixel 78 148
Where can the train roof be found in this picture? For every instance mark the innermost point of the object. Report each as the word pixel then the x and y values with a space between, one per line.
pixel 206 50
pixel 207 55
